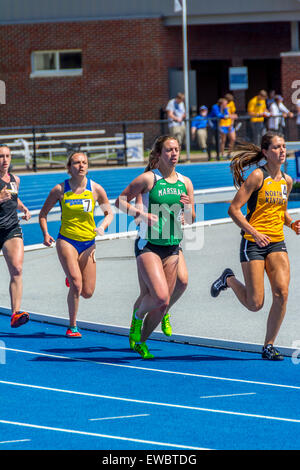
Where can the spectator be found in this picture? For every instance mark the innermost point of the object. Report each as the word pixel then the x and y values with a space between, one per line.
pixel 278 113
pixel 176 115
pixel 218 112
pixel 271 99
pixel 257 109
pixel 199 128
pixel 227 129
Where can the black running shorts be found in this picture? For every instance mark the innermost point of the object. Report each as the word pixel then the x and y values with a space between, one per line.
pixel 250 250
pixel 7 234
pixel 163 251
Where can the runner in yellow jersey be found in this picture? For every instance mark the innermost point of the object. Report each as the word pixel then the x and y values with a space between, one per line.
pixel 266 192
pixel 76 240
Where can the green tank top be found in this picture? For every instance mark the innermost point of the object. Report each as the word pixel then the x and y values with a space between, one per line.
pixel 164 201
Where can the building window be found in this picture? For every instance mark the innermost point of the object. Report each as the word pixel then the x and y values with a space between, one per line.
pixel 56 63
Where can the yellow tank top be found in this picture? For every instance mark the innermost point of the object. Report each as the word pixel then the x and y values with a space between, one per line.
pixel 77 214
pixel 266 208
pixel 231 110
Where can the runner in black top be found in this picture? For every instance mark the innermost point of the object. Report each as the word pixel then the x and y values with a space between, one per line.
pixel 11 237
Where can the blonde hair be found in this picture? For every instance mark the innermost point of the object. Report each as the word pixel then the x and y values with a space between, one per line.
pixel 247 154
pixel 156 151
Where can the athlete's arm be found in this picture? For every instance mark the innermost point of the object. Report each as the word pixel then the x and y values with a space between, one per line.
pixel 252 183
pixel 55 195
pixel 24 209
pixel 102 199
pixel 139 185
pixel 139 206
pixel 188 202
pixel 288 220
pixel 21 207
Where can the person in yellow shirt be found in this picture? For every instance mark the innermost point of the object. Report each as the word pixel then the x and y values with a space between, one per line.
pixel 227 129
pixel 257 109
pixel 263 248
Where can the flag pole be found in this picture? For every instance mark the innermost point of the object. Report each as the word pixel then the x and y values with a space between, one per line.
pixel 186 78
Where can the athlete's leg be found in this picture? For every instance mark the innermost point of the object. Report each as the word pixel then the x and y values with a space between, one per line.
pixel 168 280
pixel 181 281
pixel 251 293
pixel 231 140
pixel 278 271
pixel 87 265
pixel 223 138
pixel 143 291
pixel 68 257
pixel 151 270
pixel 13 252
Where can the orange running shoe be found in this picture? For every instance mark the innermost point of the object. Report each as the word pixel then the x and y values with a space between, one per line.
pixel 18 319
pixel 73 332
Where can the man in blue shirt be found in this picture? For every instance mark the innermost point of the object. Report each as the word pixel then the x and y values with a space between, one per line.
pixel 199 128
pixel 218 110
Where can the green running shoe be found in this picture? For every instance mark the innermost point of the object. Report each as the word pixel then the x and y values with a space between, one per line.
pixel 166 325
pixel 135 330
pixel 143 350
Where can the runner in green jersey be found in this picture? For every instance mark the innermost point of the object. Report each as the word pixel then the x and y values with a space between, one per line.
pixel 167 198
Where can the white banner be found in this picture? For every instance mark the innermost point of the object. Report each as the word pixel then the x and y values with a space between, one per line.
pixel 135 147
pixel 177 5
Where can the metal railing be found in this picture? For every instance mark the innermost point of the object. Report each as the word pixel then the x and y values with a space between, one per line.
pixel 109 142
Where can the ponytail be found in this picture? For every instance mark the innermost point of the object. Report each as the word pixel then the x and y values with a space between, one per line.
pixel 246 155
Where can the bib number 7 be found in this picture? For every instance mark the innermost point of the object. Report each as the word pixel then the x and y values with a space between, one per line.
pixel 87 205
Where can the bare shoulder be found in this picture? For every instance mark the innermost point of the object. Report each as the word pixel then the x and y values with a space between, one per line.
pixel 188 181
pixel 58 190
pixel 255 179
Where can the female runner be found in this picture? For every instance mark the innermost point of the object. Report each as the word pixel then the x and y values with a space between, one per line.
pixel 76 240
pixel 266 192
pixel 11 237
pixel 165 193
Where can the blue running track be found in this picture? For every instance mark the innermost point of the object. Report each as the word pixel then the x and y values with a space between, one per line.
pixel 95 393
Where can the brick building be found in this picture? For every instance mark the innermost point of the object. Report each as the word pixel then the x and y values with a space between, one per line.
pixel 73 62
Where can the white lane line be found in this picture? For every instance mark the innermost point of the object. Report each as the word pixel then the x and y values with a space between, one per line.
pixel 148 369
pixel 105 436
pixel 19 440
pixel 116 417
pixel 229 395
pixel 154 403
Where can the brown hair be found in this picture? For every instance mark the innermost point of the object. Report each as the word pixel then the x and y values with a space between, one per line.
pixel 156 151
pixel 69 159
pixel 229 97
pixel 247 154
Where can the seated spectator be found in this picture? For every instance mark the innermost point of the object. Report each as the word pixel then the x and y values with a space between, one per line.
pixel 278 112
pixel 199 128
pixel 176 115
